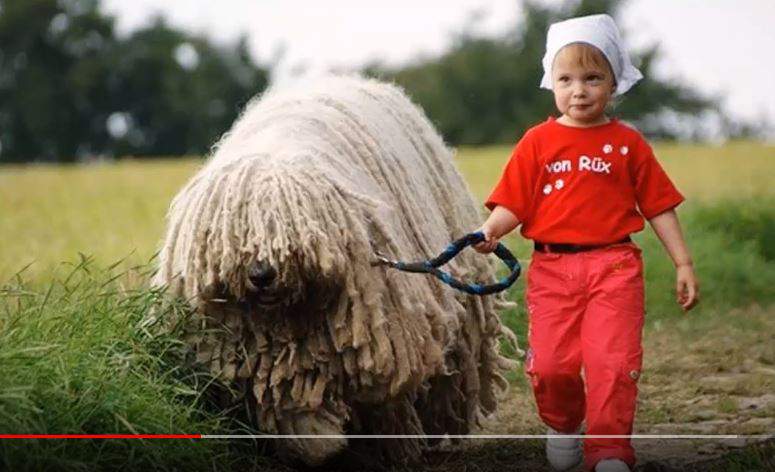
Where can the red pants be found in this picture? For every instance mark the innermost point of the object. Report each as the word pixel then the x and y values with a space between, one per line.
pixel 586 310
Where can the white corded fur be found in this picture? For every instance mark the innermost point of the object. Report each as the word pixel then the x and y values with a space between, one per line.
pixel 312 179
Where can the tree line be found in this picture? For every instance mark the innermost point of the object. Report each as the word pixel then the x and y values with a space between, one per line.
pixel 71 88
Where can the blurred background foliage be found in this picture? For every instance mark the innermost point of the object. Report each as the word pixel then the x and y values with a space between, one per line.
pixel 72 89
pixel 485 90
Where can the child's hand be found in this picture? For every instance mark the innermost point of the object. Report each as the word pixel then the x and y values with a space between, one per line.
pixel 686 287
pixel 489 244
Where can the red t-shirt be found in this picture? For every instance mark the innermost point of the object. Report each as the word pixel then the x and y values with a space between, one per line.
pixel 583 185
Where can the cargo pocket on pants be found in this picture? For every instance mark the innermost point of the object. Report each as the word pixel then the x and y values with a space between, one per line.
pixel 627 391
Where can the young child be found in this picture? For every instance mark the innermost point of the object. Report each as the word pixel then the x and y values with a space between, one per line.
pixel 580 185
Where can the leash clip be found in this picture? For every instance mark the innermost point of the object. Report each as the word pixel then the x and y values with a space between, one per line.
pixel 381 260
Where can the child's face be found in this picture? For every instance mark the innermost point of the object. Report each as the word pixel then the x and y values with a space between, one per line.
pixel 580 93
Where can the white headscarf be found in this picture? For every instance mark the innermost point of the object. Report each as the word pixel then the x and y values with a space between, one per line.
pixel 599 31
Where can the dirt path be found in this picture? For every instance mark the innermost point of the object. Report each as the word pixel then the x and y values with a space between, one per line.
pixel 710 376
pixel 704 378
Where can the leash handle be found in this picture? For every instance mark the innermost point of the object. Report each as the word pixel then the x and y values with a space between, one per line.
pixel 431 266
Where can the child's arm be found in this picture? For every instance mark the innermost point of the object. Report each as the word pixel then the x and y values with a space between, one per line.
pixel 500 222
pixel 668 229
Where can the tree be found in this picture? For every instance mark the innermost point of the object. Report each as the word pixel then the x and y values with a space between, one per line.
pixel 177 92
pixel 69 88
pixel 50 75
pixel 485 90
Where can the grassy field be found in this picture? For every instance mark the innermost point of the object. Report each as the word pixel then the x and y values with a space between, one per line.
pixel 77 353
pixel 116 210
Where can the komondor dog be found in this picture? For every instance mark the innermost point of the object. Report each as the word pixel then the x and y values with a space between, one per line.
pixel 272 243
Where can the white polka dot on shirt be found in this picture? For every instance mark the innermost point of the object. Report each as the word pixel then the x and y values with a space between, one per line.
pixel 547 189
pixel 559 184
pixel 624 150
pixel 608 149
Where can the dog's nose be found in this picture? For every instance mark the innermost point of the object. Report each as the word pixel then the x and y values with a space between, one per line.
pixel 261 274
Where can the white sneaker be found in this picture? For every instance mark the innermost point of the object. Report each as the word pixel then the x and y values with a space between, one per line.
pixel 563 453
pixel 612 465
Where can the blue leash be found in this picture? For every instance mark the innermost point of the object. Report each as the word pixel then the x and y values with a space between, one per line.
pixel 431 266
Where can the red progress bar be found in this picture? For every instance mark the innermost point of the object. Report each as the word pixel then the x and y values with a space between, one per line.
pixel 100 436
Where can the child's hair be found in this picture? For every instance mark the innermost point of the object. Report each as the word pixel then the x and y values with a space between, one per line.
pixel 588 56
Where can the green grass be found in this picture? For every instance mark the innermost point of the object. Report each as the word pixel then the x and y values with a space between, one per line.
pixel 728 221
pixel 113 211
pixel 753 458
pixel 734 267
pixel 89 354
pixel 79 355
pixel 109 211
pixel 706 174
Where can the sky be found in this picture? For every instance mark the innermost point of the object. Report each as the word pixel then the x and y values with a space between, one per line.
pixel 721 47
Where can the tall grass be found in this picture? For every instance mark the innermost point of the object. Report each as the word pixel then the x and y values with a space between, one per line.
pixel 87 354
pixel 732 257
